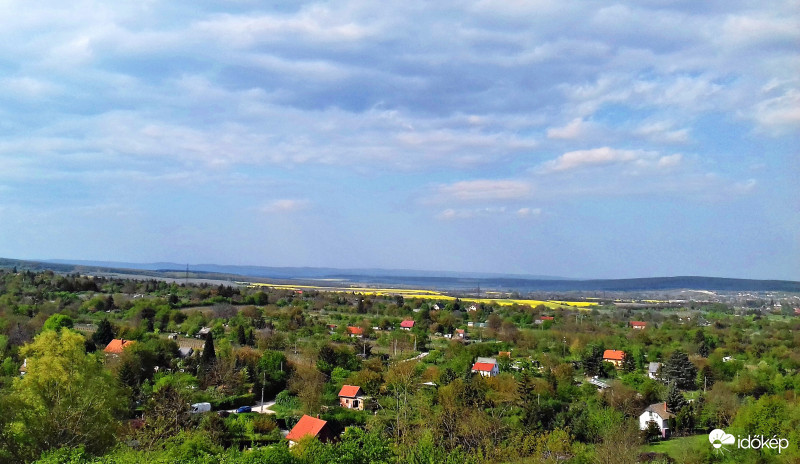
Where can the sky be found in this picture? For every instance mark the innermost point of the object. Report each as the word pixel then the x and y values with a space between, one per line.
pixel 564 138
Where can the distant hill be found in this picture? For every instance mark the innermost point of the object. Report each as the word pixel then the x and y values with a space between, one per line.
pixel 410 278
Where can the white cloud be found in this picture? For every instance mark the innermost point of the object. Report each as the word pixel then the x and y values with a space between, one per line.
pixel 580 159
pixel 575 129
pixel 484 190
pixel 285 205
pixel 526 212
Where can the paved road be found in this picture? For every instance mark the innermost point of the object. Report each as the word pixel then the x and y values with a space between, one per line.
pixel 259 408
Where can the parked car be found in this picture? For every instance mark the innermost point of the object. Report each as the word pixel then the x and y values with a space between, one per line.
pixel 201 407
pixel 243 409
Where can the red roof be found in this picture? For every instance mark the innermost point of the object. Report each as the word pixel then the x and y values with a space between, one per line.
pixel 485 367
pixel 355 330
pixel 459 331
pixel 307 425
pixel 407 324
pixel 614 355
pixel 350 391
pixel 116 345
pixel 547 318
pixel 638 324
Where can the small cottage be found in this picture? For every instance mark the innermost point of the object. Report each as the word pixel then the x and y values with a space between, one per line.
pixel 309 426
pixel 351 397
pixel 659 414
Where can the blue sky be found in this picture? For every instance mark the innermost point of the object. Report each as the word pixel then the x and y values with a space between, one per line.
pixel 579 139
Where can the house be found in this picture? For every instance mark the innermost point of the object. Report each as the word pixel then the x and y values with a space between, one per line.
pixel 116 346
pixel 203 332
pixel 185 352
pixel 23 369
pixel 501 354
pixel 638 325
pixel 356 332
pixel 544 319
pixel 460 333
pixel 486 367
pixel 472 308
pixel 615 357
pixel 172 336
pixel 309 426
pixel 652 370
pixel 659 414
pixel 351 397
pixel 408 324
pixel 727 359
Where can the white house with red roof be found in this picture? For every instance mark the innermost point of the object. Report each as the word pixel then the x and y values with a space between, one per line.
pixel 408 324
pixel 639 325
pixel 356 332
pixel 352 397
pixel 487 367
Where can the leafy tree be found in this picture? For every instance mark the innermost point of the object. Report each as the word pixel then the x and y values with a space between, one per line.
pixel 680 370
pixel 165 415
pixel 66 398
pixel 104 333
pixel 57 321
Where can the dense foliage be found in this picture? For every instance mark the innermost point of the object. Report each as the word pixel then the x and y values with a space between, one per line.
pixel 63 399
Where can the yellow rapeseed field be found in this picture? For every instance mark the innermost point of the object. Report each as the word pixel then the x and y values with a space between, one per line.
pixel 430 295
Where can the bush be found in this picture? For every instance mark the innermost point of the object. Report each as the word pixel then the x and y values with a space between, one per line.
pixel 232 402
pixel 263 424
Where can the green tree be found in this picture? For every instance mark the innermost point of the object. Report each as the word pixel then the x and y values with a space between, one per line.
pixel 680 370
pixel 209 356
pixel 675 399
pixel 628 363
pixel 66 399
pixel 593 361
pixel 57 321
pixel 104 333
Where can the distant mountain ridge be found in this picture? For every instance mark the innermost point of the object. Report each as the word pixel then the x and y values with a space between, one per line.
pixel 410 278
pixel 298 272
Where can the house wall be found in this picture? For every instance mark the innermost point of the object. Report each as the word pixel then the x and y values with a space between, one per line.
pixel 649 416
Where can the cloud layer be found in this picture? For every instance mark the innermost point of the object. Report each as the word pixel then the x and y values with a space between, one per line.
pixel 412 111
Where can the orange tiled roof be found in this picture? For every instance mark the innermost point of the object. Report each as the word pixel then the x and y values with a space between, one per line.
pixel 307 425
pixel 407 324
pixel 116 345
pixel 638 324
pixel 614 355
pixel 355 330
pixel 350 391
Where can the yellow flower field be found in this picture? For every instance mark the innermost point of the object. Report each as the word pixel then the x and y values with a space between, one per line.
pixel 429 295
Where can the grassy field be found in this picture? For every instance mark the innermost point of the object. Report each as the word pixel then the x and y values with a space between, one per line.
pixel 430 295
pixel 676 448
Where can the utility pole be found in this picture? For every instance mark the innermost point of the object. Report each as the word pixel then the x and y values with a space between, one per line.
pixel 415 342
pixel 264 381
